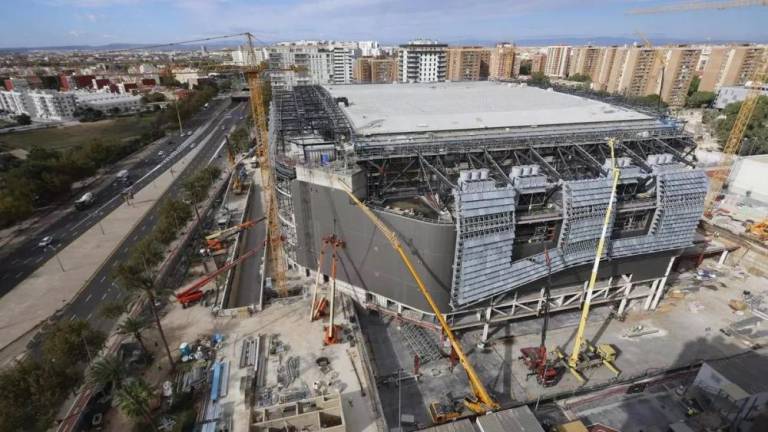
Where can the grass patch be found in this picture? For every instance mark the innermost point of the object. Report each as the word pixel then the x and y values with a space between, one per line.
pixel 111 130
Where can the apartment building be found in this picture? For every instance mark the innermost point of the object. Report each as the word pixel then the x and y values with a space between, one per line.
pixel 39 104
pixel 468 63
pixel 681 63
pixel 557 61
pixel 242 56
pixel 585 61
pixel 730 66
pixel 538 62
pixel 504 63
pixel 361 70
pixel 604 68
pixel 383 71
pixel 293 65
pixel 422 61
pixel 635 72
pixel 105 102
pixel 342 59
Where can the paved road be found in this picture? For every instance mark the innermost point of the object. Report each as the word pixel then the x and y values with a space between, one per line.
pixel 27 257
pixel 103 288
pixel 245 287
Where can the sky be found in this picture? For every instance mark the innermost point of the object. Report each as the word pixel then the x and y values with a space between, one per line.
pixel 32 23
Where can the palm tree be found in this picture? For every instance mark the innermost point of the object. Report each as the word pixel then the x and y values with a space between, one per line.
pixel 133 395
pixel 134 326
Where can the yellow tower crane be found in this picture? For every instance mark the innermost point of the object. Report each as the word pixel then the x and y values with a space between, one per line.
pixel 268 182
pixel 584 354
pixel 481 401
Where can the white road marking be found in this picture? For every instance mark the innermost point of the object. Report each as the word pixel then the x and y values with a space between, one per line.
pixel 73 317
pixel 88 298
pixel 103 296
pixel 38 260
pixel 88 318
pixel 18 275
pixel 25 260
pixel 102 279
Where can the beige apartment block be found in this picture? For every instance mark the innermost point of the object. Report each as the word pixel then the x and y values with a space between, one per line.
pixel 538 62
pixel 637 72
pixel 585 61
pixel 680 68
pixel 604 68
pixel 729 66
pixel 361 70
pixel 468 63
pixel 504 63
pixel 383 70
pixel 616 70
pixel 557 61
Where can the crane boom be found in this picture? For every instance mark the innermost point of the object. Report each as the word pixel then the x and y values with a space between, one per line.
pixel 484 402
pixel 573 360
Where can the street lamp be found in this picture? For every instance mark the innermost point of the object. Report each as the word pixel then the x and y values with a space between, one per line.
pixel 57 257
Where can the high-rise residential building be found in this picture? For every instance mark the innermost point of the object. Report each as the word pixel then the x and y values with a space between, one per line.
pixel 636 71
pixel 342 59
pixel 604 68
pixel 361 70
pixel 585 61
pixel 16 102
pixel 538 63
pixel 557 61
pixel 293 65
pixel 468 63
pixel 680 68
pixel 729 66
pixel 503 62
pixel 421 61
pixel 369 48
pixel 242 56
pixel 383 71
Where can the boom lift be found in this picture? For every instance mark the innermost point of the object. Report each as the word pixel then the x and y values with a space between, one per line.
pixel 215 240
pixel 331 334
pixel 193 292
pixel 535 358
pixel 480 402
pixel 584 354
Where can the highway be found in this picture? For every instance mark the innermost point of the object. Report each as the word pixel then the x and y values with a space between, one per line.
pixel 102 287
pixel 27 257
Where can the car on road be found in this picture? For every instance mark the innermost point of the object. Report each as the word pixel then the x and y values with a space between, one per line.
pixel 161 154
pixel 45 242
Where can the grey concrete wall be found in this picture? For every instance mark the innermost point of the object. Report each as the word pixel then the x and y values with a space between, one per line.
pixel 367 260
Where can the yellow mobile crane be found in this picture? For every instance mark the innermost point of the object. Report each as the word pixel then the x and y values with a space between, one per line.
pixel 481 401
pixel 584 354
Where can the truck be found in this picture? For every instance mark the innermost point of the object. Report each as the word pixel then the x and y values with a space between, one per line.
pixel 84 201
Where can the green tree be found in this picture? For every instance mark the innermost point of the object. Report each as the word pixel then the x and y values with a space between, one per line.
pixel 134 326
pixel 525 67
pixel 756 133
pixel 23 119
pixel 538 79
pixel 579 78
pixel 700 99
pixel 137 275
pixel 70 342
pixel 132 399
pixel 694 86
pixel 113 310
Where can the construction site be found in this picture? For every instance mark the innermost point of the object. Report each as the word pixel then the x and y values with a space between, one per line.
pixel 470 256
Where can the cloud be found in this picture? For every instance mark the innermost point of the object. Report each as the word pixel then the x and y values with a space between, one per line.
pixel 75 33
pixel 90 17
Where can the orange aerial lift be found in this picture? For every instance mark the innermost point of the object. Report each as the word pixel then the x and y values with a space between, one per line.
pixel 215 240
pixel 332 333
pixel 480 401
pixel 193 292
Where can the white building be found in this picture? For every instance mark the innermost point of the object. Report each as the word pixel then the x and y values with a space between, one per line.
pixel 105 102
pixel 343 59
pixel 730 94
pixel 39 104
pixel 557 61
pixel 746 178
pixel 369 48
pixel 243 57
pixel 293 65
pixel 422 61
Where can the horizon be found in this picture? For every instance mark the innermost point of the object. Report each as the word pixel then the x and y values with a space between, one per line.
pixel 62 23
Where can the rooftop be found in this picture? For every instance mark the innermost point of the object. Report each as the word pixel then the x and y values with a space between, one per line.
pixel 452 106
pixel 744 371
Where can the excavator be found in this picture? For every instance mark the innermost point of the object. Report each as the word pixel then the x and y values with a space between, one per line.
pixel 215 241
pixel 546 370
pixel 480 402
pixel 193 292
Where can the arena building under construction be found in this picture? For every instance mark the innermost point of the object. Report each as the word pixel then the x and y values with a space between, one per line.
pixel 481 181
